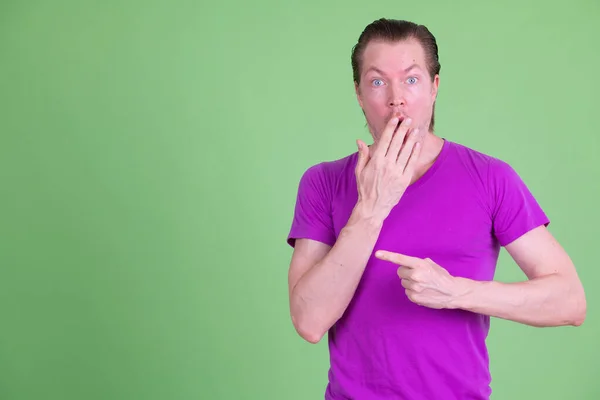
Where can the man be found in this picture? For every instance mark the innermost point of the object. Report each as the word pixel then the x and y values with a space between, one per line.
pixel 395 246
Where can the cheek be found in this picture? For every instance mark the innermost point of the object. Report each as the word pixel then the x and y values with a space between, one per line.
pixel 419 97
pixel 377 96
pixel 417 93
pixel 375 101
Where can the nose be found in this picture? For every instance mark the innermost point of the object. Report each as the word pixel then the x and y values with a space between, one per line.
pixel 396 97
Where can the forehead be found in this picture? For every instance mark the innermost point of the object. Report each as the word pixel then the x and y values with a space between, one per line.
pixel 393 56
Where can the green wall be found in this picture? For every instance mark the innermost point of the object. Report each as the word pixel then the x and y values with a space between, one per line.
pixel 149 159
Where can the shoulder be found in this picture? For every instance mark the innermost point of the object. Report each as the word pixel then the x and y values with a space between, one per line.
pixel 472 158
pixel 314 200
pixel 484 167
pixel 327 174
pixel 336 166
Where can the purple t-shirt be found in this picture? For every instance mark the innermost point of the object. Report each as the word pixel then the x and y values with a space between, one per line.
pixel 459 214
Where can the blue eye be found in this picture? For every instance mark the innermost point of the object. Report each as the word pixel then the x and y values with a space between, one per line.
pixel 375 82
pixel 412 81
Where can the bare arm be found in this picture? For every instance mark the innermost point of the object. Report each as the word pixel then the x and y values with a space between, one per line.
pixel 552 296
pixel 322 279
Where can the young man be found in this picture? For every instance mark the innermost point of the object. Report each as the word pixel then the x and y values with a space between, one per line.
pixel 395 246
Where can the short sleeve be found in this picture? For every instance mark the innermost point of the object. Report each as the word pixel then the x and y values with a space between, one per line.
pixel 312 214
pixel 515 211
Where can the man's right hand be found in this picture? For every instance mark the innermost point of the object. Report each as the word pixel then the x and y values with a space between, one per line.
pixel 323 278
pixel 384 173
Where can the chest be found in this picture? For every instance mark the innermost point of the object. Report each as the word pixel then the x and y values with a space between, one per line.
pixel 452 227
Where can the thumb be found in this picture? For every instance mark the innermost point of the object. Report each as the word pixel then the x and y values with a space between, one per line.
pixel 363 155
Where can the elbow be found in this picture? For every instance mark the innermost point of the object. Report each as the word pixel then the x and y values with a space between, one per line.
pixel 579 319
pixel 307 331
pixel 579 311
pixel 312 337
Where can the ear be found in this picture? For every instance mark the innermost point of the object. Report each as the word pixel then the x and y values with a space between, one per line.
pixel 435 86
pixel 357 91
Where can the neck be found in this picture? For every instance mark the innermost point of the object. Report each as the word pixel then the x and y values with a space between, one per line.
pixel 432 146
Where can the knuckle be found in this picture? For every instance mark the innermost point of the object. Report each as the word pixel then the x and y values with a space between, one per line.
pixel 414 297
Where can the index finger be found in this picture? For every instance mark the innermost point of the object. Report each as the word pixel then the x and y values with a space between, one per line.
pixel 386 136
pixel 398 258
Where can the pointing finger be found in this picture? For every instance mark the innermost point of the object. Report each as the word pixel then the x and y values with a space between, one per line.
pixel 398 258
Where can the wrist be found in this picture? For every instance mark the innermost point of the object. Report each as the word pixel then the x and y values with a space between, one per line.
pixel 363 220
pixel 462 293
pixel 368 213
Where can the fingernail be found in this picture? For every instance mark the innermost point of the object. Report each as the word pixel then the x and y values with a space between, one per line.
pixel 408 121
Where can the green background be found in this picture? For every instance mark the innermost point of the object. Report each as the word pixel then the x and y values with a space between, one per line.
pixel 149 159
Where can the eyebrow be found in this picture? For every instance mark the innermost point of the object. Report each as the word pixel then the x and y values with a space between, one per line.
pixel 413 66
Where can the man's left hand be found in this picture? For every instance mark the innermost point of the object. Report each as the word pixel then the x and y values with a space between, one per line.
pixel 425 282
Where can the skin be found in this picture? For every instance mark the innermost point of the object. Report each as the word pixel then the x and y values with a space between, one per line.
pixel 322 279
pixel 395 82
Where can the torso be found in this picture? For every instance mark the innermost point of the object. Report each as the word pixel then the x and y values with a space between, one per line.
pixel 443 216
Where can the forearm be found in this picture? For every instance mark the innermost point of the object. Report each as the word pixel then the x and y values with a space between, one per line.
pixel 551 300
pixel 322 295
